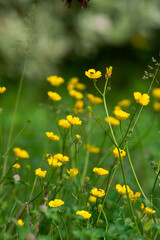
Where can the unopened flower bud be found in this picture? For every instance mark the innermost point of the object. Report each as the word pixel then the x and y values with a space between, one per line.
pixel 89 108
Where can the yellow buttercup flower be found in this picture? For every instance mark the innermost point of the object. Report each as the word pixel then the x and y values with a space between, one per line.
pixel 84 214
pixel 52 136
pixel 93 99
pixel 72 172
pixel 40 173
pixel 97 192
pixel 92 199
pixel 56 203
pixel 61 158
pixel 20 222
pixel 78 107
pixel 75 94
pixel 147 210
pixel 53 162
pixel 124 103
pixel 54 96
pixel 133 196
pixel 121 115
pixel 122 189
pixel 109 71
pixel 100 171
pixel 64 123
pixel 156 93
pixel 55 80
pixel 92 73
pixel 2 89
pixel 74 120
pixel 156 106
pixel 116 152
pixel 20 153
pixel 92 148
pixel 80 86
pixel 16 165
pixel 142 99
pixel 77 136
pixel 113 121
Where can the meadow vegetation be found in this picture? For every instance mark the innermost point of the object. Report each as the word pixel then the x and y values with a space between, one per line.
pixel 95 176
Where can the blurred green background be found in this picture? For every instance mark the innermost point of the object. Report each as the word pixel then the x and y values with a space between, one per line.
pixel 124 34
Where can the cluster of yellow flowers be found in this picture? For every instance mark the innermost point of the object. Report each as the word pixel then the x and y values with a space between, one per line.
pixel 116 152
pixel 92 148
pixel 122 191
pixel 20 153
pixel 52 136
pixel 40 173
pixel 100 171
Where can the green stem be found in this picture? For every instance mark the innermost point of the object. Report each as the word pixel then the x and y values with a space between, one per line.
pixel 67 236
pixel 102 127
pixel 106 110
pixel 129 125
pixel 105 220
pixel 107 189
pixel 15 139
pixel 34 184
pixel 98 88
pixel 45 152
pixel 67 190
pixel 129 201
pixel 14 114
pixel 156 234
pixel 76 156
pixel 134 173
pixel 87 154
pixel 153 79
pixel 57 229
pixel 153 188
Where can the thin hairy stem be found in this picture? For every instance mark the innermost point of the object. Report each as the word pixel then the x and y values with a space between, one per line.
pixel 134 173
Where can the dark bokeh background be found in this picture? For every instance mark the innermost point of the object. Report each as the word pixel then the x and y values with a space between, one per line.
pixel 66 42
